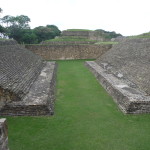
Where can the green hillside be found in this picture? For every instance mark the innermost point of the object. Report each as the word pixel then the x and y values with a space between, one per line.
pixel 143 35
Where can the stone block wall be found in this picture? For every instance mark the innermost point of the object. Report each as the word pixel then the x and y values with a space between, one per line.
pixel 69 52
pixel 3 135
pixel 94 35
pixel 76 33
pixel 67 42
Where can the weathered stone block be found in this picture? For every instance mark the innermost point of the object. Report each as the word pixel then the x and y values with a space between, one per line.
pixel 68 52
pixel 3 135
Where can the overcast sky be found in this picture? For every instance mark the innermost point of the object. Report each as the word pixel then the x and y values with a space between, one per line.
pixel 128 17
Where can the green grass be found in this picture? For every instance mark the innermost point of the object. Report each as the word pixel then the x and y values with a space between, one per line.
pixel 68 39
pixel 86 118
pixel 144 35
pixel 4 39
pixel 78 30
pixel 105 43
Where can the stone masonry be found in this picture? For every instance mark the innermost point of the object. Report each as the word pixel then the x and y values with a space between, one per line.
pixel 124 72
pixel 82 34
pixel 66 52
pixel 3 135
pixel 27 83
pixel 66 42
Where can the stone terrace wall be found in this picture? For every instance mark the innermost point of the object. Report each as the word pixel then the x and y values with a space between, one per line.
pixel 67 42
pixel 3 135
pixel 76 33
pixel 66 52
pixel 94 35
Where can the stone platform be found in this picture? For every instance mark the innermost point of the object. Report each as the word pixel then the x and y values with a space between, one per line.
pixel 40 98
pixel 129 99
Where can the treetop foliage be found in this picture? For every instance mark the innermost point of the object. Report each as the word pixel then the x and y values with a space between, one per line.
pixel 107 34
pixel 17 28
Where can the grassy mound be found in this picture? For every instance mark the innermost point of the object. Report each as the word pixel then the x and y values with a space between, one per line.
pixel 144 35
pixel 78 30
pixel 105 43
pixel 65 39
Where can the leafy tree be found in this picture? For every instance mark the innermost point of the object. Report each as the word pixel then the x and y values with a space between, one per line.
pixel 22 21
pixel 29 37
pixel 2 29
pixel 1 10
pixel 107 34
pixel 18 21
pixel 2 32
pixel 54 29
pixel 43 33
pixel 7 20
pixel 15 33
pixel 16 26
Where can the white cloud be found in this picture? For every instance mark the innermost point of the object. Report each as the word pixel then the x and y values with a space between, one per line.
pixel 127 17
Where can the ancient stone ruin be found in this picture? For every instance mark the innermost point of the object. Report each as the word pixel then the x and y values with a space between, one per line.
pixel 27 83
pixel 124 71
pixel 82 34
pixel 70 45
pixel 3 135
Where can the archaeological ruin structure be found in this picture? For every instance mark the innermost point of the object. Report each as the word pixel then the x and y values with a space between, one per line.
pixel 124 71
pixel 70 45
pixel 3 134
pixel 27 83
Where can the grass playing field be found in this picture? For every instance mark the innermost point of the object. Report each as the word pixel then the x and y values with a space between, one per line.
pixel 86 118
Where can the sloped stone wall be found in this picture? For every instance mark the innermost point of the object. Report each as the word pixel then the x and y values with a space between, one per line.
pixel 3 135
pixel 7 42
pixel 27 83
pixel 66 52
pixel 129 59
pixel 124 71
pixel 18 67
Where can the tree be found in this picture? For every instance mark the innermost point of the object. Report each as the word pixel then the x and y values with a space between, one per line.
pixel 18 21
pixel 54 29
pixel 22 21
pixel 29 37
pixel 1 10
pixel 107 34
pixel 16 26
pixel 2 32
pixel 8 20
pixel 43 33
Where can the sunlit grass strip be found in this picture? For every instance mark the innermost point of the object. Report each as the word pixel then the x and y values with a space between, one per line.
pixel 106 43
